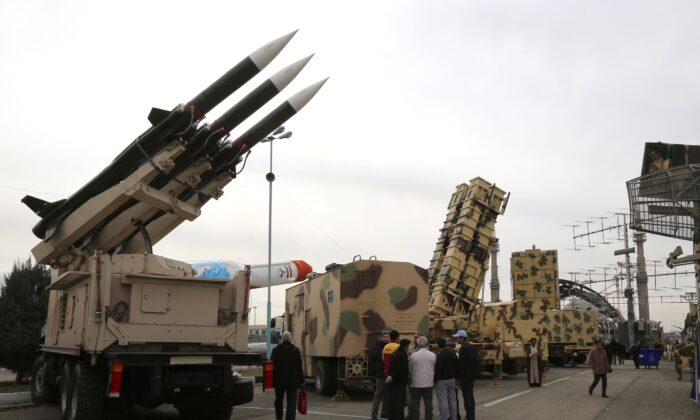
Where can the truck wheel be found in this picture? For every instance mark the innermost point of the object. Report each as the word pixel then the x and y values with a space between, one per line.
pixel 511 367
pixel 42 390
pixel 325 382
pixel 243 390
pixel 64 388
pixel 87 389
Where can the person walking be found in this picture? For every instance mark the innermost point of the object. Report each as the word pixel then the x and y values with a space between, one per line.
pixel 288 375
pixel 468 370
pixel 453 348
pixel 444 379
pixel 397 381
pixel 535 366
pixel 421 365
pixel 378 357
pixel 635 350
pixel 598 360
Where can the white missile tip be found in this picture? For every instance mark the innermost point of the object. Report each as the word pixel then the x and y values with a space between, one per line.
pixel 285 76
pixel 302 98
pixel 265 54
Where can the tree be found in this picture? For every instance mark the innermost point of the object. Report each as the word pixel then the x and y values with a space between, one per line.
pixel 23 306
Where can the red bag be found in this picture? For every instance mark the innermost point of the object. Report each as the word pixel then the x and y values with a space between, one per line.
pixel 301 401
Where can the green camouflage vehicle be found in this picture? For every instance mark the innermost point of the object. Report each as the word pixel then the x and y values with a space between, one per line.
pixel 335 317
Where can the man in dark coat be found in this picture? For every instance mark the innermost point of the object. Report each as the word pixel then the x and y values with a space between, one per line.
pixel 397 381
pixel 288 375
pixel 468 370
pixel 635 350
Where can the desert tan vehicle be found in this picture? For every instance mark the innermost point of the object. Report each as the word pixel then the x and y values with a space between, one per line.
pixel 129 327
pixel 334 318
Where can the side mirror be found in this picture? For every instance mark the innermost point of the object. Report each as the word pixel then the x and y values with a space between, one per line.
pixel 273 322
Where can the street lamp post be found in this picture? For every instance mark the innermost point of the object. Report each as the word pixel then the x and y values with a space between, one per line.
pixel 270 177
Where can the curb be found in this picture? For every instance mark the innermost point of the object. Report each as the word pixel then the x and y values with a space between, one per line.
pixel 8 407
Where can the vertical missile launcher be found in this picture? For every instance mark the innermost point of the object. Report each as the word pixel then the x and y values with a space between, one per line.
pixel 461 257
pixel 128 327
pixel 335 317
pixel 459 265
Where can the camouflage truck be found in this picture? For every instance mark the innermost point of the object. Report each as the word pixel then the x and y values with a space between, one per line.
pixel 335 317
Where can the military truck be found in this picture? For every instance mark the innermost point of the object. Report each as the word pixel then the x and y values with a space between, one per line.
pixel 126 326
pixel 335 317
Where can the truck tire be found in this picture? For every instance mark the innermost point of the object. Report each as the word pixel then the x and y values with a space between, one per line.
pixel 87 387
pixel 64 388
pixel 42 390
pixel 243 390
pixel 325 381
pixel 511 367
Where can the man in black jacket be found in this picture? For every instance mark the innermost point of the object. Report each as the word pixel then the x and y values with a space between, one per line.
pixel 397 381
pixel 445 386
pixel 468 369
pixel 288 375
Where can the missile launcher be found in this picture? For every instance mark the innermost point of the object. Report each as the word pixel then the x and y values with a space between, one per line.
pixel 169 172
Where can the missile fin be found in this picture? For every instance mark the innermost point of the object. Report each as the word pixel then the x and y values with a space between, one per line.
pixel 39 206
pixel 157 115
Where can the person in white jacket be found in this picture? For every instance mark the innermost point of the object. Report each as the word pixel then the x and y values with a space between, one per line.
pixel 421 364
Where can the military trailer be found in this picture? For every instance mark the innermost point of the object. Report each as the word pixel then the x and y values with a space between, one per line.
pixel 129 327
pixel 335 317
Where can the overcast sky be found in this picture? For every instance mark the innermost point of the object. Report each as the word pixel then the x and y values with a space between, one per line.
pixel 552 101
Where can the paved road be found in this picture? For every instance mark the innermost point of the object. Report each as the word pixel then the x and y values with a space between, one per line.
pixel 638 394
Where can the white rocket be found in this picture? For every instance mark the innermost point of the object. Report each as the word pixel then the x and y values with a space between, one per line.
pixel 282 272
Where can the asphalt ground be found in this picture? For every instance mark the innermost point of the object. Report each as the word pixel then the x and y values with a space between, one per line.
pixel 634 394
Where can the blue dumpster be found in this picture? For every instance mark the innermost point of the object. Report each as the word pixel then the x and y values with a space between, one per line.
pixel 650 357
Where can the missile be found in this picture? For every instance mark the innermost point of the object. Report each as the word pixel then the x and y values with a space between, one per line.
pixel 281 272
pixel 167 126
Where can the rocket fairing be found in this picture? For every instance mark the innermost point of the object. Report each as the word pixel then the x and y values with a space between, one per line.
pixel 166 126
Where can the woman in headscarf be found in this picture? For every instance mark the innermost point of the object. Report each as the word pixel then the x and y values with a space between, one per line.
pixel 535 367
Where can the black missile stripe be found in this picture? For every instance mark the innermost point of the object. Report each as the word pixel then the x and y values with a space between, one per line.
pixel 224 86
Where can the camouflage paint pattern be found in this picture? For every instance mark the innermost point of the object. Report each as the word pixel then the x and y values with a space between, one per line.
pixel 535 275
pixel 339 313
pixel 461 257
pixel 572 326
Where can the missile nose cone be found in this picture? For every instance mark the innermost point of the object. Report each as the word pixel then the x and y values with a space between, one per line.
pixel 283 77
pixel 302 98
pixel 263 55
